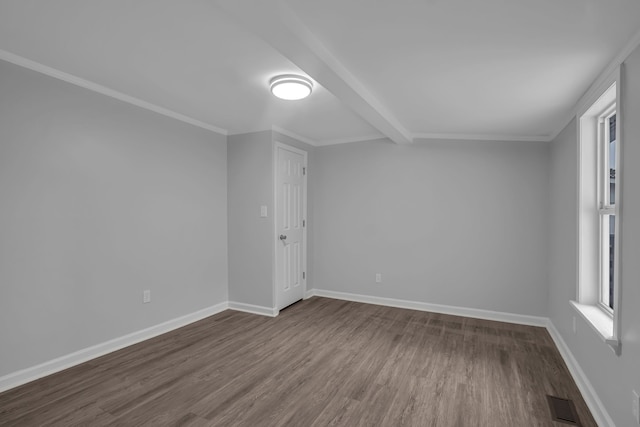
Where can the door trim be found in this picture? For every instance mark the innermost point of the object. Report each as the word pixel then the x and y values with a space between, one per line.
pixel 305 155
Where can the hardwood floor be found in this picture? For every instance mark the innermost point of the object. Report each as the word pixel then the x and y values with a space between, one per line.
pixel 321 362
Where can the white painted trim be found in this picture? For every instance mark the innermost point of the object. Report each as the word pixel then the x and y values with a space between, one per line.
pixel 436 308
pixel 599 98
pixel 305 155
pixel 622 56
pixel 293 135
pixel 482 137
pixel 253 309
pixel 619 203
pixel 599 101
pixel 348 140
pixel 596 318
pixel 595 90
pixel 24 376
pixel 590 396
pixel 103 90
pixel 564 123
pixel 418 136
pixel 592 400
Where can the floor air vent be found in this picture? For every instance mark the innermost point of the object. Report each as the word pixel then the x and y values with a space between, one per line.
pixel 563 410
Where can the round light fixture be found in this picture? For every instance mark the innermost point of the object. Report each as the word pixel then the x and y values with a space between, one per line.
pixel 291 87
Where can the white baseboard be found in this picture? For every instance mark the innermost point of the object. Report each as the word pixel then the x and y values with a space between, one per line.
pixel 435 308
pixel 592 400
pixel 24 376
pixel 596 406
pixel 589 395
pixel 254 309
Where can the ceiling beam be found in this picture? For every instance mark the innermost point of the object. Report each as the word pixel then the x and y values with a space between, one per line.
pixel 276 24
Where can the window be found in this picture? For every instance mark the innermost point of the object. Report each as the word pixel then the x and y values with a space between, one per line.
pixel 607 154
pixel 599 215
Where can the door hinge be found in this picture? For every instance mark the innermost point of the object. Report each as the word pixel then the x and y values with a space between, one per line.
pixel 304 275
pixel 304 171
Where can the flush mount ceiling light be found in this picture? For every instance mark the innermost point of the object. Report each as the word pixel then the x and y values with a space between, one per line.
pixel 291 87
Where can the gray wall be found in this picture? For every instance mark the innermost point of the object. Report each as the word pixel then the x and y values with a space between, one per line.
pixel 450 222
pixel 613 377
pixel 250 180
pixel 251 238
pixel 99 201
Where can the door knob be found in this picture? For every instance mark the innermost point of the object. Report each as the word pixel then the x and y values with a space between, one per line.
pixel 283 237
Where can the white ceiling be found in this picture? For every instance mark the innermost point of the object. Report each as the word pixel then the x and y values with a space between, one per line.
pixel 404 69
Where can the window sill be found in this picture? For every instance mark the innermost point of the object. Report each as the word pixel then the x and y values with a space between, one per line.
pixel 600 322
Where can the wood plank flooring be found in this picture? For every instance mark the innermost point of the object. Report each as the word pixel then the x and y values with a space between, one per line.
pixel 321 362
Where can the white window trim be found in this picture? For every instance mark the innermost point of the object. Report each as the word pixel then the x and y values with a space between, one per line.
pixel 605 208
pixel 604 321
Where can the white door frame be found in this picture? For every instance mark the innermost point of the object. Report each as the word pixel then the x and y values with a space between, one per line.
pixel 277 145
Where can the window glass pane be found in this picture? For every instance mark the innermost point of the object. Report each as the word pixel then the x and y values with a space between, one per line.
pixel 612 238
pixel 612 159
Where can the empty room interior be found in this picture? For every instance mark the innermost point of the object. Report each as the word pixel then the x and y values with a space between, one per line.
pixel 312 213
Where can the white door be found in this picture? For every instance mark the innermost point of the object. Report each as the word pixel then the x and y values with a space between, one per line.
pixel 290 225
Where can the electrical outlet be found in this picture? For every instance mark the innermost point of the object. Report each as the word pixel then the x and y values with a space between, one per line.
pixel 575 325
pixel 636 406
pixel 146 296
pixel 378 278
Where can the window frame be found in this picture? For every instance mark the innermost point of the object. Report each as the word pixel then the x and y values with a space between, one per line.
pixel 605 208
pixel 600 102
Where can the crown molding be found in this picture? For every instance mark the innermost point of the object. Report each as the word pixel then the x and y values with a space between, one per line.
pixel 481 137
pixel 293 135
pixel 564 122
pixel 416 137
pixel 348 140
pixel 313 142
pixel 624 53
pixel 103 90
